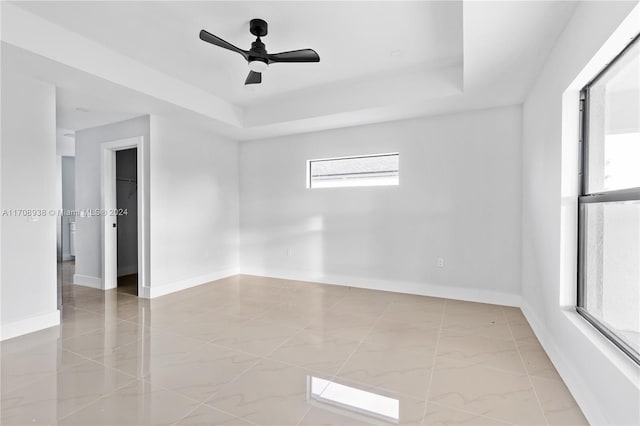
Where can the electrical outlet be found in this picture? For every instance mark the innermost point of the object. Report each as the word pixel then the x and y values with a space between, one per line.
pixel 289 252
pixel 440 262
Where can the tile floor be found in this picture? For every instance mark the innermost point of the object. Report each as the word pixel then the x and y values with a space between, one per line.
pixel 252 350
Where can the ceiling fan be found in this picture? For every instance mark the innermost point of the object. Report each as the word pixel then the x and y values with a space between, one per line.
pixel 258 58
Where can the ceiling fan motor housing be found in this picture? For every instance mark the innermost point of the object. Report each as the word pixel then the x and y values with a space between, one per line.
pixel 258 53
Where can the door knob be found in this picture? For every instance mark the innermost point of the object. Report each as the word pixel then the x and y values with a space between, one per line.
pixel 113 225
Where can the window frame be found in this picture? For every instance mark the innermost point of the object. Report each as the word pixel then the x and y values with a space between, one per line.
pixel 349 157
pixel 585 197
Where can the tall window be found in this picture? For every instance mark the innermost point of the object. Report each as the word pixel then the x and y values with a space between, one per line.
pixel 609 205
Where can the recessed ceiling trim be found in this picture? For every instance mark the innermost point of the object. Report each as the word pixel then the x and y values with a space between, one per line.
pixel 30 32
pixel 74 48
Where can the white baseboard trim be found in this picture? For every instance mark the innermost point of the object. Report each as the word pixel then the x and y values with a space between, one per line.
pixel 161 290
pixel 581 393
pixel 88 281
pixel 407 287
pixel 127 270
pixel 67 256
pixel 144 292
pixel 29 325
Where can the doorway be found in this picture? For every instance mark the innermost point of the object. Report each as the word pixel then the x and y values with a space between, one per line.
pixel 127 220
pixel 66 225
pixel 122 213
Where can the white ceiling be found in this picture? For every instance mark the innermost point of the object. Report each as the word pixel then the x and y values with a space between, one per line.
pixel 122 59
pixel 78 110
pixel 354 39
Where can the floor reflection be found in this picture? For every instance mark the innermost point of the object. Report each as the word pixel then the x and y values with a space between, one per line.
pixel 351 399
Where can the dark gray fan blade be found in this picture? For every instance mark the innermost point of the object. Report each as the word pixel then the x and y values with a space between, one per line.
pixel 303 55
pixel 210 38
pixel 253 78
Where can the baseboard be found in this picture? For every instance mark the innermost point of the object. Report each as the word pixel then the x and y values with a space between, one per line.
pixel 87 281
pixel 127 270
pixel 407 287
pixel 67 257
pixel 161 290
pixel 583 396
pixel 144 292
pixel 29 325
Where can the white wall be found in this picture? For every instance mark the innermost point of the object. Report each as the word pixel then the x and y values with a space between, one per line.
pixel 604 382
pixel 65 143
pixel 458 198
pixel 194 206
pixel 192 216
pixel 29 179
pixel 88 269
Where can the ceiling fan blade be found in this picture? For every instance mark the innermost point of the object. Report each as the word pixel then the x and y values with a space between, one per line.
pixel 303 55
pixel 210 38
pixel 253 78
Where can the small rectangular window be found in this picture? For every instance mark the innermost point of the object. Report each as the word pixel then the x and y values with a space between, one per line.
pixel 364 170
pixel 609 203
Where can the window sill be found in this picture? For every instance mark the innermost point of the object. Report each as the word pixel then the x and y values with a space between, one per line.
pixel 618 358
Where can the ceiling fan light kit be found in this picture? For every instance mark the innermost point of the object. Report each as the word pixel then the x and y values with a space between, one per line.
pixel 258 66
pixel 257 57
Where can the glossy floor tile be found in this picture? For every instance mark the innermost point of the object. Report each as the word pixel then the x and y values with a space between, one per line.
pixel 252 350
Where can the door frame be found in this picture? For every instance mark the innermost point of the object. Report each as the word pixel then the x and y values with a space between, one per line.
pixel 109 206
